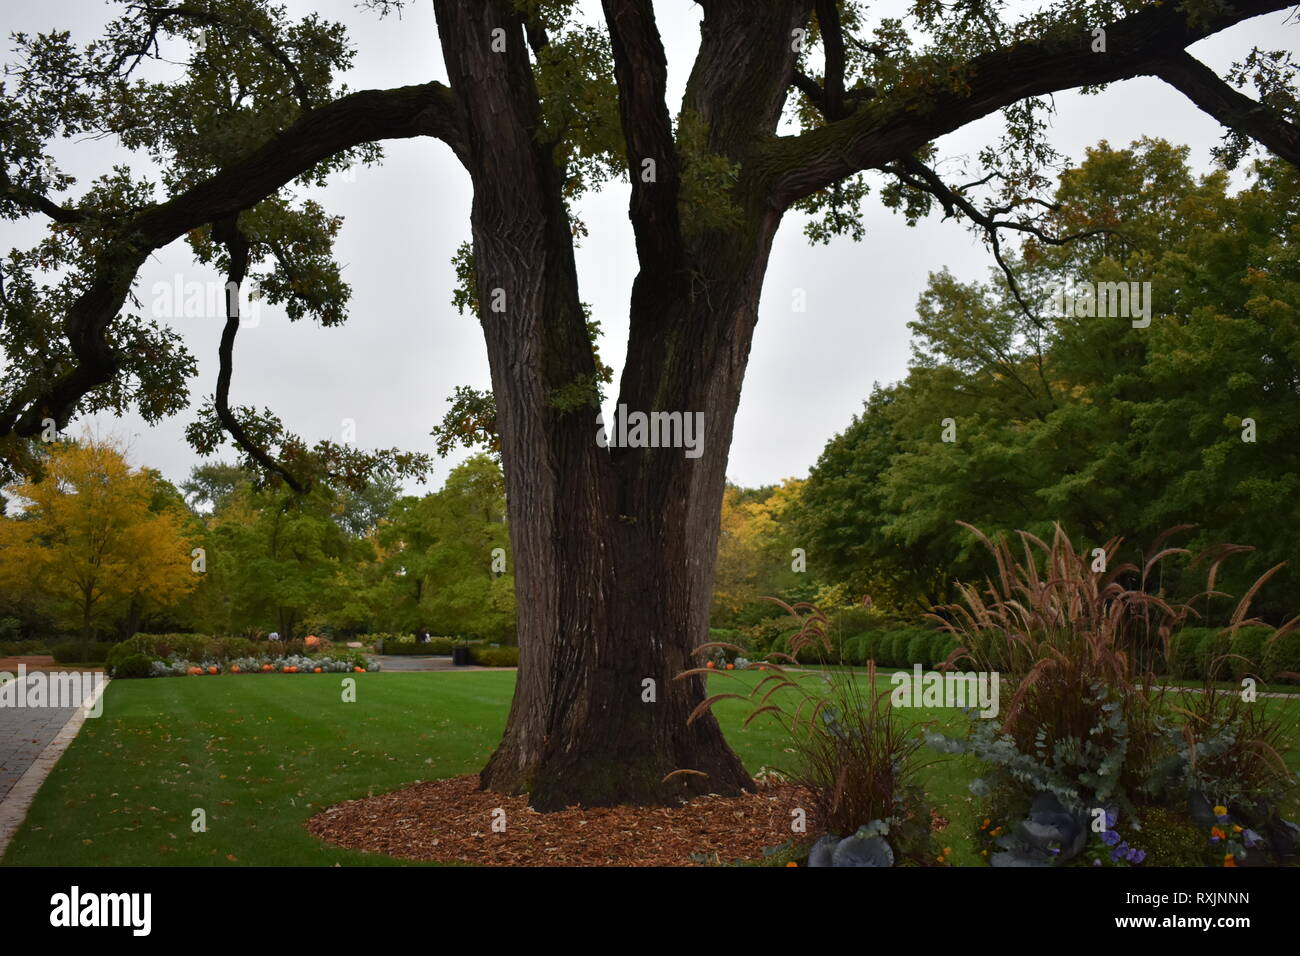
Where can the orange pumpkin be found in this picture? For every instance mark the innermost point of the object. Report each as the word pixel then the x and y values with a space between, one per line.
pixel 361 670
pixel 194 671
pixel 267 668
pixel 317 671
pixel 312 640
pixel 710 665
pixel 234 668
pixel 731 667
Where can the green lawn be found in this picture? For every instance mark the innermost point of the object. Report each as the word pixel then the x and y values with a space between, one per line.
pixel 260 754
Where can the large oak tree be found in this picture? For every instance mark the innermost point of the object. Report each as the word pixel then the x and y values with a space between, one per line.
pixel 613 547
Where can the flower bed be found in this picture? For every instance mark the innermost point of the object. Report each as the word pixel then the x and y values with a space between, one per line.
pixel 292 664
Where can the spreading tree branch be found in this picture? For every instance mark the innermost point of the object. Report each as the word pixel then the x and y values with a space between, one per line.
pixel 641 69
pixel 350 121
pixel 227 233
pixel 1233 109
pixel 893 126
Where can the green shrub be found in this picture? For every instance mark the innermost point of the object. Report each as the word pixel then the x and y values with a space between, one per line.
pixel 854 650
pixel 22 648
pixel 1212 647
pixel 918 648
pixel 869 645
pixel 435 646
pixel 897 644
pixel 941 645
pixel 1184 653
pixel 1281 655
pixel 852 620
pixel 75 652
pixel 226 648
pixel 132 665
pixel 1248 644
pixel 495 656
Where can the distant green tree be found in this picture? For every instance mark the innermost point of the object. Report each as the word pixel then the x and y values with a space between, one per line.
pixel 437 557
pixel 1110 429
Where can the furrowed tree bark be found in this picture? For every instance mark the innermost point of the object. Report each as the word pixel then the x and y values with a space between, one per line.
pixel 614 548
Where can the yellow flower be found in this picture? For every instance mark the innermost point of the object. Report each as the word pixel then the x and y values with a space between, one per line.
pixel 1220 811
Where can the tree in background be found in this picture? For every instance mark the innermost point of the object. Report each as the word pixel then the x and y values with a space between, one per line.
pixel 755 557
pixel 1084 419
pixel 274 559
pixel 439 559
pixel 94 540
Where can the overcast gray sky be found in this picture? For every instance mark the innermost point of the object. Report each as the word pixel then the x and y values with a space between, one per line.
pixel 405 347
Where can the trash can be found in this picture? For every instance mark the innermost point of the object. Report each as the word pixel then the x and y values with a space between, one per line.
pixel 460 656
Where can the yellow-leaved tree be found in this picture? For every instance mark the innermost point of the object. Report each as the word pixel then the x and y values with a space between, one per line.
pixel 754 544
pixel 94 540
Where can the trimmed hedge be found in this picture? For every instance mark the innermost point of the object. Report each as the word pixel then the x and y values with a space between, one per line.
pixel 1185 662
pixel 941 646
pixel 1248 644
pixel 918 648
pixel 74 652
pixel 1282 654
pixel 132 666
pixel 22 648
pixel 495 656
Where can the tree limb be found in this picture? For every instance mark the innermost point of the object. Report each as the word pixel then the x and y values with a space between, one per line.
pixel 641 69
pixel 1233 109
pixel 893 126
pixel 362 117
pixel 36 202
pixel 828 19
pixel 916 174
pixel 228 233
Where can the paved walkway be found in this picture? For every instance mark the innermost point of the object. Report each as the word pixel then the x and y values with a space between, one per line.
pixel 31 741
pixel 24 733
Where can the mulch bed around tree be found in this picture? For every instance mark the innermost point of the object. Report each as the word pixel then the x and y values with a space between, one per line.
pixel 451 820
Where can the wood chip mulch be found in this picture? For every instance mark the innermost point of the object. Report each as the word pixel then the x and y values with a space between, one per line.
pixel 451 820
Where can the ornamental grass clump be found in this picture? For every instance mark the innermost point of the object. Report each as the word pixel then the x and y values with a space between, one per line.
pixel 1090 719
pixel 852 753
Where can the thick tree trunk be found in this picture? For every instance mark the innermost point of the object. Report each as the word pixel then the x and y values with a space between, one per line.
pixel 614 548
pixel 614 560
